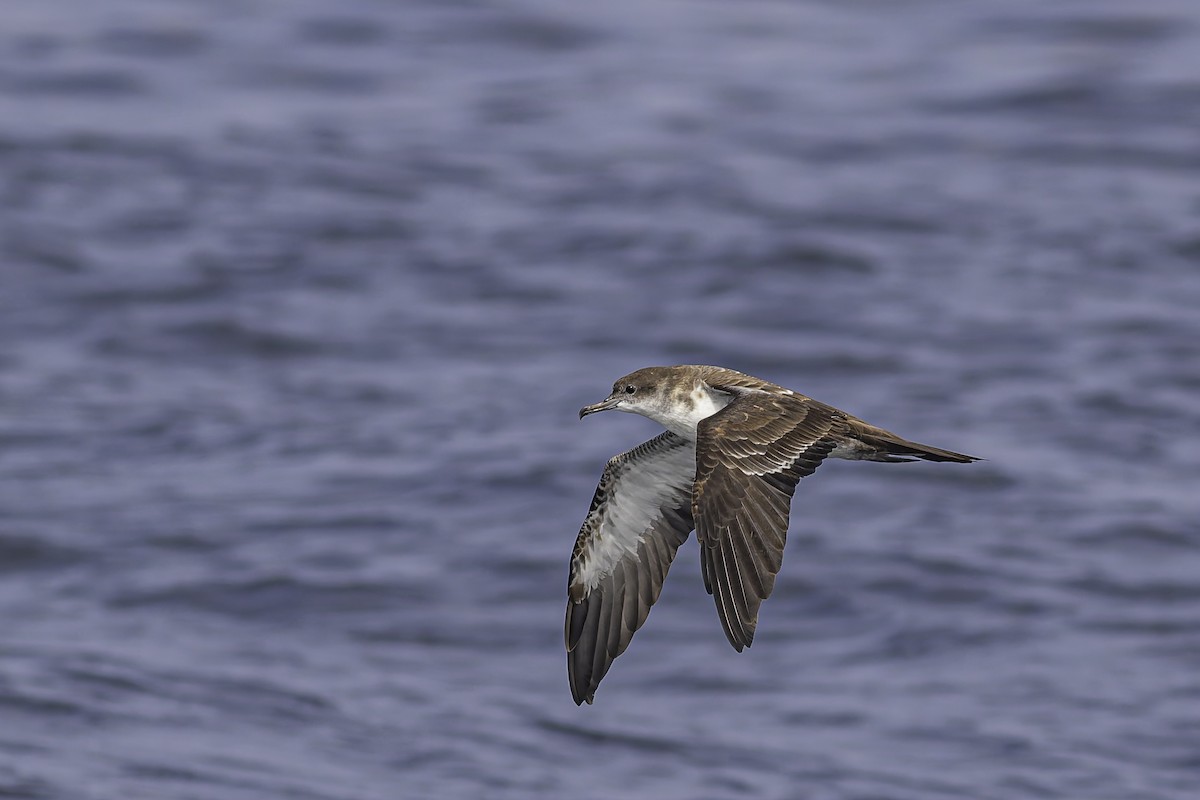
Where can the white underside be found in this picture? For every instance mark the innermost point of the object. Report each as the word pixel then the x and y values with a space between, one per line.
pixel 659 479
pixel 683 419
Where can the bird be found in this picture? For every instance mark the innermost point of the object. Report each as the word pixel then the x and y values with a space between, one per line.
pixel 727 465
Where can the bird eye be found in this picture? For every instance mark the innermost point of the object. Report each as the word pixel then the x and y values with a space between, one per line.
pixel 630 389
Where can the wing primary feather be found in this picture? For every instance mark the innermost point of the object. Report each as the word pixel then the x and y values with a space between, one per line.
pixel 583 656
pixel 600 657
pixel 737 583
pixel 708 566
pixel 751 569
pixel 575 619
pixel 630 598
pixel 725 602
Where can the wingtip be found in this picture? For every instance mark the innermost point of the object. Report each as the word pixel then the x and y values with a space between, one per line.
pixel 739 642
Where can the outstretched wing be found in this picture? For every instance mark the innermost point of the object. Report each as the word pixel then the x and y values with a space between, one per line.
pixel 641 513
pixel 749 457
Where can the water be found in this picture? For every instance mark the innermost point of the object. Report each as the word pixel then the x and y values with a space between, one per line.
pixel 298 303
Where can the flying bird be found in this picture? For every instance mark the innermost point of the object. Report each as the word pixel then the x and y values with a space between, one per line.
pixel 727 465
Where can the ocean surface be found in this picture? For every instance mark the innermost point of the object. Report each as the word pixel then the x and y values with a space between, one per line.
pixel 299 302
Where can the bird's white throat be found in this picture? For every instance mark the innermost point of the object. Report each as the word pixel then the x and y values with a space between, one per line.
pixel 681 413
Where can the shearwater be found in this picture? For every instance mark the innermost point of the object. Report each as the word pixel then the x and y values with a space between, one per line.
pixel 734 449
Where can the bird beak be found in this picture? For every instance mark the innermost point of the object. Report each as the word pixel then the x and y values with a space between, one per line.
pixel 603 405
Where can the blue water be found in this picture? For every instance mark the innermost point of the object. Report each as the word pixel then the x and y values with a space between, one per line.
pixel 298 303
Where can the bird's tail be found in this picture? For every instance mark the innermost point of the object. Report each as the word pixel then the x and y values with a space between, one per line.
pixel 886 446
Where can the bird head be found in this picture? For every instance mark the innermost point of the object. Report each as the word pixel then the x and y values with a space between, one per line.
pixel 635 393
